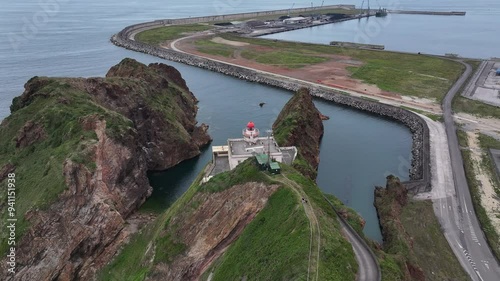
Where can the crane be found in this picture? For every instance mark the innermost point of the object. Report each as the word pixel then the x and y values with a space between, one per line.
pixel 290 9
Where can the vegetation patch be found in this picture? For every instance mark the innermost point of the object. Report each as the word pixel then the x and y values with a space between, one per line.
pixel 275 240
pixel 134 262
pixel 59 109
pixel 212 48
pixel 161 34
pixel 246 171
pixel 407 74
pixel 408 228
pixel 288 59
pixel 492 236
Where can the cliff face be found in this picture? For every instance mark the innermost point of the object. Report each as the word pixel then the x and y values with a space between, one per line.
pixel 300 124
pixel 80 149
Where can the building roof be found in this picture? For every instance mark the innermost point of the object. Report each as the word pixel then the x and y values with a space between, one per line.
pixel 294 19
pixel 274 166
pixel 240 147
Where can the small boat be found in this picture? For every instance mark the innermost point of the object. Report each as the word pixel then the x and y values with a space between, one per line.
pixel 381 13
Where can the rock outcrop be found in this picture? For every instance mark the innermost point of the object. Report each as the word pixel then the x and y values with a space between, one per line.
pixel 81 149
pixel 389 202
pixel 300 124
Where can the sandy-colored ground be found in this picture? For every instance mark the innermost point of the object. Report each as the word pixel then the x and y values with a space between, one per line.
pixel 221 40
pixel 332 73
pixel 488 126
pixel 489 199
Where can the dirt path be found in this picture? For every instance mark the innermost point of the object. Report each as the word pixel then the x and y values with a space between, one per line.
pixel 489 198
pixel 315 238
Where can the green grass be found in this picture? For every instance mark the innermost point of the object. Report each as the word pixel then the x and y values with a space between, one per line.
pixel 288 59
pixel 407 74
pixel 350 215
pixel 275 240
pixel 337 260
pixel 244 172
pixel 158 35
pixel 474 107
pixel 212 48
pixel 438 262
pixel 407 239
pixel 39 167
pixel 133 263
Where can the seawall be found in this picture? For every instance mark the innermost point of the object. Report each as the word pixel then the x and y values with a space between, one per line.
pixel 420 165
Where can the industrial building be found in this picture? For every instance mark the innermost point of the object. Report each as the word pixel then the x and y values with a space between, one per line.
pixel 295 20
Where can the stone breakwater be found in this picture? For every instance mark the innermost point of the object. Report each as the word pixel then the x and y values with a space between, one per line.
pixel 420 165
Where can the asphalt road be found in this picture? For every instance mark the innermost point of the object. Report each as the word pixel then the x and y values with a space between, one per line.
pixel 460 217
pixel 368 269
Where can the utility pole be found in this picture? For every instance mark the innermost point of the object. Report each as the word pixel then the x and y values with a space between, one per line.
pixel 269 133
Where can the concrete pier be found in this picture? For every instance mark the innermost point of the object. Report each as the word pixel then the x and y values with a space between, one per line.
pixel 435 13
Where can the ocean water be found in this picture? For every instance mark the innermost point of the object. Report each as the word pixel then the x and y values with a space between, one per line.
pixel 71 38
pixel 475 35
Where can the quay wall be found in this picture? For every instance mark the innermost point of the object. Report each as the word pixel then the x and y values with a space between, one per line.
pixel 242 15
pixel 420 165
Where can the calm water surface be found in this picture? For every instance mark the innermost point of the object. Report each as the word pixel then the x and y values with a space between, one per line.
pixel 71 38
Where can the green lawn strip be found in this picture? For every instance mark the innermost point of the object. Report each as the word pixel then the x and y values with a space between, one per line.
pixel 407 74
pixel 208 47
pixel 438 262
pixel 492 236
pixel 135 259
pixel 158 35
pixel 288 59
pixel 39 166
pixel 474 107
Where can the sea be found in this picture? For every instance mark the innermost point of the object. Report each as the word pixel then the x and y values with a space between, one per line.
pixel 70 38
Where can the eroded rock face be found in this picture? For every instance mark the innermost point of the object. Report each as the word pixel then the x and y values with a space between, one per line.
pixel 208 230
pixel 30 133
pixel 81 231
pixel 389 202
pixel 300 124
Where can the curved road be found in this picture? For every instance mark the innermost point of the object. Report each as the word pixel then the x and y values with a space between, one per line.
pixel 476 256
pixel 368 269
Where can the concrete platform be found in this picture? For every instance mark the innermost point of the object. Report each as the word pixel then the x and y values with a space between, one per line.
pixel 486 88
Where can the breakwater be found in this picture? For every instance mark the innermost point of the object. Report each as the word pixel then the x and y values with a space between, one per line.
pixel 436 13
pixel 420 165
pixel 250 15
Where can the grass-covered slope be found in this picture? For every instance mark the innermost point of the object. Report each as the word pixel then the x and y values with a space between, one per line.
pixel 408 228
pixel 272 241
pixel 56 112
pixel 86 144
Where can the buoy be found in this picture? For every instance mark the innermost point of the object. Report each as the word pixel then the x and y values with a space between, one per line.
pixel 262 104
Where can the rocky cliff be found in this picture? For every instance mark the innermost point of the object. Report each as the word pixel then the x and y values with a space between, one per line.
pixel 244 224
pixel 390 202
pixel 300 124
pixel 80 149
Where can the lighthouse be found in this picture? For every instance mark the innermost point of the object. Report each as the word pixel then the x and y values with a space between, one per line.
pixel 250 133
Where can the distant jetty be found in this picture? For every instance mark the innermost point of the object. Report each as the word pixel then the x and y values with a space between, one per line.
pixel 436 13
